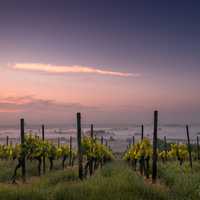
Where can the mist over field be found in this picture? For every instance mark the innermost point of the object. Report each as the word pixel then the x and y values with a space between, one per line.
pixel 99 100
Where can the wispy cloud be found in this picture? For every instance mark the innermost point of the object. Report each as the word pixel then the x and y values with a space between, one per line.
pixel 30 103
pixel 56 69
pixel 8 110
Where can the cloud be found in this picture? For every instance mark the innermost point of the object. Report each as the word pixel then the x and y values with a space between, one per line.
pixel 30 103
pixel 8 110
pixel 54 69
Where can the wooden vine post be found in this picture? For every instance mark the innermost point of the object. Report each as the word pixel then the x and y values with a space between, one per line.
pixel 101 139
pixel 189 146
pixel 102 160
pixel 58 141
pixel 7 140
pixel 43 159
pixel 80 156
pixel 142 132
pixel 142 159
pixel 92 160
pixel 154 163
pixel 133 140
pixel 92 131
pixel 198 149
pixel 165 147
pixel 24 156
pixel 70 151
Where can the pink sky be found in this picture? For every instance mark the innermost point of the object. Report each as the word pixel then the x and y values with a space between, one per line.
pixel 115 64
pixel 33 92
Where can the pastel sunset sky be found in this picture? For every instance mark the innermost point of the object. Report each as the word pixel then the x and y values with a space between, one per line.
pixel 113 61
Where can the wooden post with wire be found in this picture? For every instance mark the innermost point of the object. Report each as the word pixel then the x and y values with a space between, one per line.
pixel 7 140
pixel 22 144
pixel 142 132
pixel 198 149
pixel 80 156
pixel 189 145
pixel 92 131
pixel 154 163
pixel 58 141
pixel 133 140
pixel 91 162
pixel 43 158
pixel 165 147
pixel 70 151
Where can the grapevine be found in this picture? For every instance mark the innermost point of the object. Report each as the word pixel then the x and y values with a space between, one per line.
pixel 94 154
pixel 141 152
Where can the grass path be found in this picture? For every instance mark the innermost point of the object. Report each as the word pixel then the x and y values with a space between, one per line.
pixel 115 181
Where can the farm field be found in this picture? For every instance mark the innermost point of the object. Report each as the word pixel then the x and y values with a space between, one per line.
pixel 39 169
pixel 116 180
pixel 99 100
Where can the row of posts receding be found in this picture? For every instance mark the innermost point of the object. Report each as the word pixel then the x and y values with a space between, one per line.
pixel 155 146
pixel 79 148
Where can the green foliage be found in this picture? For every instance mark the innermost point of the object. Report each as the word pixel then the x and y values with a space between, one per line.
pixel 93 149
pixel 178 150
pixel 139 150
pixel 33 147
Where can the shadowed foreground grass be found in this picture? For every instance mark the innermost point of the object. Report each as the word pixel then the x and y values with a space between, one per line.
pixel 7 169
pixel 183 182
pixel 115 181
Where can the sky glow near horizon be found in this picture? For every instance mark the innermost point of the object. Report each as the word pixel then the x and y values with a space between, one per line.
pixel 115 63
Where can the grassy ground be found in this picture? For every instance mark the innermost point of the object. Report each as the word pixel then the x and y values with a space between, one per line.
pixel 116 180
pixel 7 169
pixel 183 182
